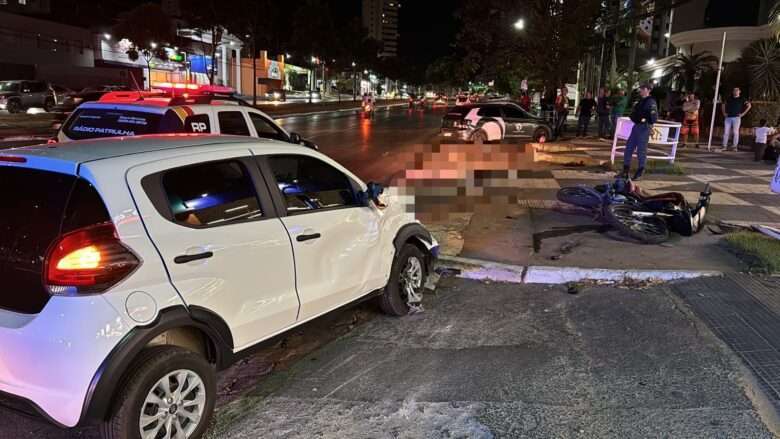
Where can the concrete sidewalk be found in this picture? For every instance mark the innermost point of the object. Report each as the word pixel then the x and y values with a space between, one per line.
pixel 502 360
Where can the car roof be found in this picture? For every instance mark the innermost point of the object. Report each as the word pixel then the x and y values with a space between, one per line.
pixel 81 151
pixel 155 105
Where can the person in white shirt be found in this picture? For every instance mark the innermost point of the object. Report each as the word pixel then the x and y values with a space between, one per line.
pixel 762 133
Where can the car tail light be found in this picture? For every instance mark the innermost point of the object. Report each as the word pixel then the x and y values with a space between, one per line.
pixel 88 261
pixel 12 159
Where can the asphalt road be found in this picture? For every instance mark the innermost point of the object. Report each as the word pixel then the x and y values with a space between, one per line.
pixel 374 149
pixel 488 360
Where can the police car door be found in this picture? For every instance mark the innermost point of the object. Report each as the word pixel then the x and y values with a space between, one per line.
pixel 517 123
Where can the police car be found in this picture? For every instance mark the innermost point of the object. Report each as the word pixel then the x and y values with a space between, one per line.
pixel 172 108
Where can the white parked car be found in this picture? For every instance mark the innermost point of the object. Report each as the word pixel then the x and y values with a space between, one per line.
pixel 135 268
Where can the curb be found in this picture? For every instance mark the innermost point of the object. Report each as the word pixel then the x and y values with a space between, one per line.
pixel 343 110
pixel 478 269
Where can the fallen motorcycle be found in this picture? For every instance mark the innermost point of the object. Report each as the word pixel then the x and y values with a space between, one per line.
pixel 647 218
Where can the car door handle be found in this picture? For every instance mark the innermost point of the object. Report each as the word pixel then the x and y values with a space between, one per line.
pixel 309 237
pixel 183 259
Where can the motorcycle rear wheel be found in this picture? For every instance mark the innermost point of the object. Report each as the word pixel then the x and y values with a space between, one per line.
pixel 648 229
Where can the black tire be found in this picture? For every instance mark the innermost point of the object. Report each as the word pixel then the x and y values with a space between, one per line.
pixel 540 133
pixel 580 196
pixel 151 366
pixel 394 300
pixel 14 106
pixel 48 105
pixel 479 138
pixel 646 229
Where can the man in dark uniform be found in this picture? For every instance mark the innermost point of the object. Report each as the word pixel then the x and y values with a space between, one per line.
pixel 644 115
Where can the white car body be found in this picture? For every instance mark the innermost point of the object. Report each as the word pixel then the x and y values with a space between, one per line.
pixel 260 282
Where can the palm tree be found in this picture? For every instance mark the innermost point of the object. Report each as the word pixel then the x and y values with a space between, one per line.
pixel 687 69
pixel 762 59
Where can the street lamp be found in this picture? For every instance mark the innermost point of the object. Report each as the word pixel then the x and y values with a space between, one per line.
pixel 519 24
pixel 107 36
pixel 354 82
pixel 287 55
pixel 153 45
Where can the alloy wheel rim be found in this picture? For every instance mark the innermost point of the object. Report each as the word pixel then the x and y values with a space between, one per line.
pixel 174 406
pixel 411 280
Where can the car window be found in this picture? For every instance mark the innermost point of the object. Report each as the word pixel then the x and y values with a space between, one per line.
pixel 211 194
pixel 514 112
pixel 9 86
pixel 265 128
pixel 232 122
pixel 307 184
pixel 90 123
pixel 491 111
pixel 37 87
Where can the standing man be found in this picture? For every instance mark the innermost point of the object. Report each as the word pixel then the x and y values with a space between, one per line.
pixel 733 109
pixel 561 110
pixel 644 115
pixel 585 111
pixel 618 108
pixel 602 110
pixel 690 122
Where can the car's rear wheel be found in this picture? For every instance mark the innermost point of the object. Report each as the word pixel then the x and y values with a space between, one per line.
pixel 14 106
pixel 48 105
pixel 407 281
pixel 541 135
pixel 170 394
pixel 479 138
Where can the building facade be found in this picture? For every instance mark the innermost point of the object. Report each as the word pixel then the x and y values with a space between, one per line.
pixel 699 25
pixel 380 17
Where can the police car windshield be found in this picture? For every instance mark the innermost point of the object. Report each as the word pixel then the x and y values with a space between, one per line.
pixel 90 123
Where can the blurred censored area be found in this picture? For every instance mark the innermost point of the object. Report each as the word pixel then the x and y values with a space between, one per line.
pixel 448 179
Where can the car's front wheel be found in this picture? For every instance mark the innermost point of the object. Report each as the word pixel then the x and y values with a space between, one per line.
pixel 407 281
pixel 170 394
pixel 14 106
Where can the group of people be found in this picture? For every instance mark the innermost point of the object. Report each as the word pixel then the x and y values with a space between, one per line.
pixel 608 109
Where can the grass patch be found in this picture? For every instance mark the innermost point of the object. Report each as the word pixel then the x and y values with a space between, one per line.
pixel 760 252
pixel 652 167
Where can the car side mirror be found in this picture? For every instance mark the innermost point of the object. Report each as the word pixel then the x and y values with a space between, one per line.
pixel 296 138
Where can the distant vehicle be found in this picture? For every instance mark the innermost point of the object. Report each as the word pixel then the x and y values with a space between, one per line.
pixel 276 95
pixel 416 102
pixel 136 269
pixel 462 99
pixel 17 96
pixel 74 99
pixel 205 110
pixel 440 101
pixel 489 122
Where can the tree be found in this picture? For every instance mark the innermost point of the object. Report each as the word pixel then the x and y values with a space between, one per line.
pixel 762 59
pixel 253 21
pixel 148 30
pixel 547 50
pixel 686 70
pixel 213 17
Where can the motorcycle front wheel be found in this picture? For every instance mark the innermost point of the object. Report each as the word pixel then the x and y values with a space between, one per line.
pixel 643 225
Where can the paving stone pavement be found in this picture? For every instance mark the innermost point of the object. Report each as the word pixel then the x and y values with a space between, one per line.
pixel 741 192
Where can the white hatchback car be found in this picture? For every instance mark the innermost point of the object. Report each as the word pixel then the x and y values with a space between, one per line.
pixel 135 268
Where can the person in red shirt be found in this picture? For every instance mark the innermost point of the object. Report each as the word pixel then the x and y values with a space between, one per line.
pixel 525 101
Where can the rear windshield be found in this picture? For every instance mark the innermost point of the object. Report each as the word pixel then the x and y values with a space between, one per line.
pixel 37 206
pixel 457 112
pixel 90 123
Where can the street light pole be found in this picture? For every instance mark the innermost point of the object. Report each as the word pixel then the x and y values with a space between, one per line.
pixel 354 82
